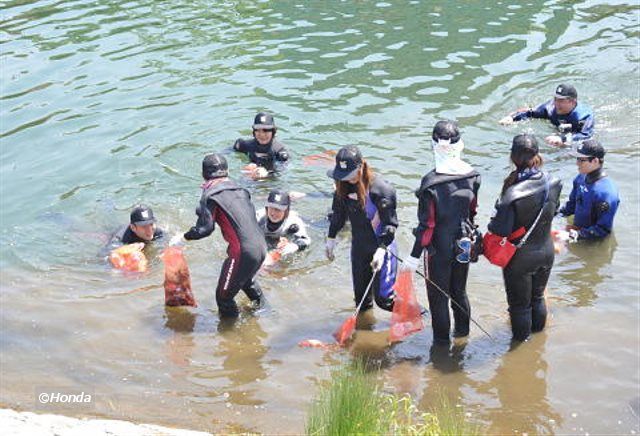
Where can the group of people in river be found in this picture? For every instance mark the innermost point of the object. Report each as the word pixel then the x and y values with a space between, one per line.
pixel 447 238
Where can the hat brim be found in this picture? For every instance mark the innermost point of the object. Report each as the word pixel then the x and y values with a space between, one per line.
pixel 264 126
pixel 341 175
pixel 564 97
pixel 144 222
pixel 277 206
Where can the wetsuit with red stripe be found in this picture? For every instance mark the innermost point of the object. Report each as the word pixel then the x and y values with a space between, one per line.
pixel 225 203
pixel 446 203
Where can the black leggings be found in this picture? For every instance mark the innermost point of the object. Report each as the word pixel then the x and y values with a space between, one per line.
pixel 237 274
pixel 451 277
pixel 525 280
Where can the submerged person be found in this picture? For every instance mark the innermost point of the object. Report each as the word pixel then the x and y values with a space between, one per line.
pixel 263 149
pixel 369 203
pixel 279 222
pixel 447 203
pixel 225 203
pixel 142 227
pixel 594 197
pixel 575 121
pixel 525 209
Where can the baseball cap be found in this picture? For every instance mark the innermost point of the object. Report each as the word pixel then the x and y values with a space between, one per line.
pixel 525 144
pixel 348 161
pixel 565 91
pixel 263 120
pixel 588 148
pixel 142 215
pixel 213 166
pixel 278 200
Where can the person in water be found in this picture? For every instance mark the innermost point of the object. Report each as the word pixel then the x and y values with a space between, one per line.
pixel 574 120
pixel 263 149
pixel 447 203
pixel 279 222
pixel 369 203
pixel 594 197
pixel 225 203
pixel 526 207
pixel 142 228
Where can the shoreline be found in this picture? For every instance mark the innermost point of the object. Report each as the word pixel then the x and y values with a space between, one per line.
pixel 30 424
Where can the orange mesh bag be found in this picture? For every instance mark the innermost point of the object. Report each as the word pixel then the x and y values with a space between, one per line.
pixel 406 318
pixel 177 280
pixel 129 258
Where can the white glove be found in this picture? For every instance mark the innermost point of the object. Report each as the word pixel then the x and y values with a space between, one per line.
pixel 567 236
pixel 329 247
pixel 411 263
pixel 506 121
pixel 260 173
pixel 177 239
pixel 378 259
pixel 289 248
pixel 573 235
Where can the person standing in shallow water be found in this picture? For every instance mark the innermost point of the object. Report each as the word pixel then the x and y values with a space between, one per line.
pixel 263 149
pixel 527 193
pixel 225 203
pixel 447 202
pixel 369 203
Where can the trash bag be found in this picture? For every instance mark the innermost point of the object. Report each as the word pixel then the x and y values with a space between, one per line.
pixel 346 329
pixel 177 280
pixel 406 318
pixel 129 258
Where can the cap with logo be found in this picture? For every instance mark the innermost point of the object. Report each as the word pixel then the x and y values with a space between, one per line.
pixel 588 148
pixel 264 121
pixel 213 166
pixel 348 162
pixel 142 215
pixel 564 91
pixel 278 200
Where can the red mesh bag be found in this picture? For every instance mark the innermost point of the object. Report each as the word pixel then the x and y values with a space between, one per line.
pixel 344 332
pixel 406 318
pixel 177 280
pixel 129 258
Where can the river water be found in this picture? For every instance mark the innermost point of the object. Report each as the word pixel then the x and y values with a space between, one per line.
pixel 107 103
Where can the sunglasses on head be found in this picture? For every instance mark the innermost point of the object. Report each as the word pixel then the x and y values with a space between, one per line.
pixel 584 159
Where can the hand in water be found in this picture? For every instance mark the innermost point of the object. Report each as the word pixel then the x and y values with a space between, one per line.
pixel 554 140
pixel 288 248
pixel 506 121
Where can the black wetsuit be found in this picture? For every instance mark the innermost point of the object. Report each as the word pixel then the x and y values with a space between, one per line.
pixel 263 155
pixel 371 227
pixel 229 205
pixel 125 235
pixel 526 275
pixel 445 204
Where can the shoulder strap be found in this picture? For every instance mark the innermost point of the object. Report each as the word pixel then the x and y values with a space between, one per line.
pixel 544 203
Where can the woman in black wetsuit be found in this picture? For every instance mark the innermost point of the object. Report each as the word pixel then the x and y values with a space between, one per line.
pixel 369 203
pixel 447 202
pixel 527 192
pixel 225 203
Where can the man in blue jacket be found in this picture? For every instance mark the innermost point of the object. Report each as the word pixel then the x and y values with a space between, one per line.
pixel 594 198
pixel 574 120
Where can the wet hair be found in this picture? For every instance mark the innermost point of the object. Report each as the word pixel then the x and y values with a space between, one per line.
pixel 446 129
pixel 365 177
pixel 524 154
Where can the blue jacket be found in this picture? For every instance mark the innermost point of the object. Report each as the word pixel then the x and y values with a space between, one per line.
pixel 581 119
pixel 593 201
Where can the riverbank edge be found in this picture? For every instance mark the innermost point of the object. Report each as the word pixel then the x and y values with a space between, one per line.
pixel 16 423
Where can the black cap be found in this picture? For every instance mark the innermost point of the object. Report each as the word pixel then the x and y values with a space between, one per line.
pixel 589 148
pixel 264 120
pixel 278 200
pixel 566 91
pixel 525 144
pixel 142 215
pixel 446 129
pixel 213 166
pixel 348 161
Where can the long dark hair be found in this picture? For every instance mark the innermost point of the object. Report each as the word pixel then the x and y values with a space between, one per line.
pixel 365 177
pixel 524 154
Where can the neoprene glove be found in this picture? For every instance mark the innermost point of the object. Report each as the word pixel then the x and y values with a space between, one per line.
pixel 378 259
pixel 329 247
pixel 411 263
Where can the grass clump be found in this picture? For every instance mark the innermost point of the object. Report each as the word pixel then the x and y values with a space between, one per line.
pixel 352 403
